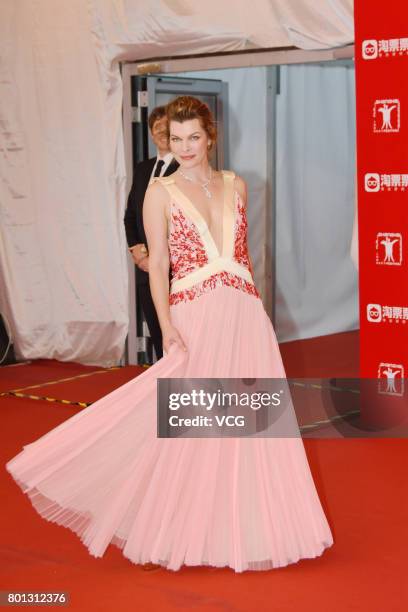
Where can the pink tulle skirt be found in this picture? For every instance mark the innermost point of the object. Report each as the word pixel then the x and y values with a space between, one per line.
pixel 236 502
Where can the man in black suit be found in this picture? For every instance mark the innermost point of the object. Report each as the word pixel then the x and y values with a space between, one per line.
pixel 161 165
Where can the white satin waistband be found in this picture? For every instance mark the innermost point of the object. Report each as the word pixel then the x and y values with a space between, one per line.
pixel 220 264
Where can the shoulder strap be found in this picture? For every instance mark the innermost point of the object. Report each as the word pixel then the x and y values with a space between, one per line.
pixel 228 177
pixel 164 180
pixel 228 174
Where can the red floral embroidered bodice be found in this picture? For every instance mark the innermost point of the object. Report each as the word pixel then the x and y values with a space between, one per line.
pixel 197 265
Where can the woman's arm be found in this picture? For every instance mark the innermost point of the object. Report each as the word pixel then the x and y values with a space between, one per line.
pixel 155 226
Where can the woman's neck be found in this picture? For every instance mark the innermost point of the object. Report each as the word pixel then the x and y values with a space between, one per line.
pixel 199 173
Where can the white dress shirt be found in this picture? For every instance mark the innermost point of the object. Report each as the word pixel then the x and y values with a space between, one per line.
pixel 167 161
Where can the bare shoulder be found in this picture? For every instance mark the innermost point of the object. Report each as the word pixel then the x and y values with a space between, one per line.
pixel 156 194
pixel 157 189
pixel 156 202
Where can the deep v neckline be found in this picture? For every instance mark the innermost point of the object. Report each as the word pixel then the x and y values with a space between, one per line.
pixel 203 222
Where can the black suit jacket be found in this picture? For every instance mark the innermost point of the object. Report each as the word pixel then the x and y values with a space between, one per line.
pixel 135 233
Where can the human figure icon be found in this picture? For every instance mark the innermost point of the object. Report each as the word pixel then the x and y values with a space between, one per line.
pixel 389 247
pixel 391 374
pixel 386 110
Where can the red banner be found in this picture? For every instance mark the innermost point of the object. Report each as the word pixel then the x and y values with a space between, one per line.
pixel 381 61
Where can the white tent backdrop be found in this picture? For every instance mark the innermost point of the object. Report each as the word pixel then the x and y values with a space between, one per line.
pixel 62 190
pixel 63 253
pixel 172 27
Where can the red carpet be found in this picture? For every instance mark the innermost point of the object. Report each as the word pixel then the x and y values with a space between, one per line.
pixel 323 356
pixel 39 371
pixel 362 485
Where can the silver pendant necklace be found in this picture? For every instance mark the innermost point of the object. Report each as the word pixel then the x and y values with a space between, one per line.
pixel 203 185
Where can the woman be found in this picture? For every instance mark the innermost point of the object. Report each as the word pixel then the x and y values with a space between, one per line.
pixel 238 502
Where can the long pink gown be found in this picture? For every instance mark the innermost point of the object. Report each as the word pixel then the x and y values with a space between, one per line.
pixel 238 502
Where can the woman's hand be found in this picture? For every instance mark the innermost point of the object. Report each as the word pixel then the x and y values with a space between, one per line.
pixel 172 336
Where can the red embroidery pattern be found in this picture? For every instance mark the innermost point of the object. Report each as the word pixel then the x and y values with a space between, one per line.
pixel 186 250
pixel 187 253
pixel 241 227
pixel 221 279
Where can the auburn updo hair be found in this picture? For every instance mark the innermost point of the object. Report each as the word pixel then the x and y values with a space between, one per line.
pixel 184 108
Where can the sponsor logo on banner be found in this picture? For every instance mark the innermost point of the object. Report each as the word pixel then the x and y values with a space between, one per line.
pixel 389 249
pixel 372 182
pixel 386 114
pixel 385 182
pixel 376 313
pixel 391 379
pixel 376 48
pixel 370 49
